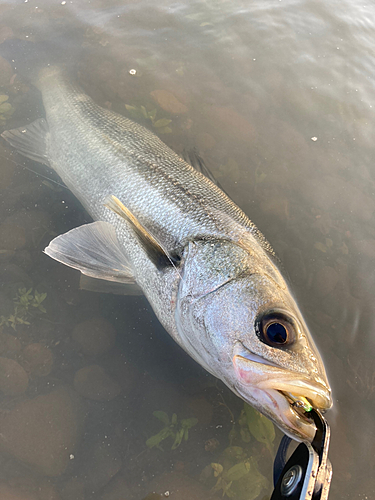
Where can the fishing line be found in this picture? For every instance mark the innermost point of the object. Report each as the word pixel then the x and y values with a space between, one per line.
pixel 34 172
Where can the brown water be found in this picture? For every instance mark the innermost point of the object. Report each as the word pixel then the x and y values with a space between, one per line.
pixel 279 99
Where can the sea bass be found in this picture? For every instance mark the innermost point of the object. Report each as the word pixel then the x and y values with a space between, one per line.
pixel 160 224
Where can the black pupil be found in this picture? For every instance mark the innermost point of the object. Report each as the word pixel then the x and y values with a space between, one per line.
pixel 276 332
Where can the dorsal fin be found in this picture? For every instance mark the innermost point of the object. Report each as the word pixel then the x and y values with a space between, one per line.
pixel 192 157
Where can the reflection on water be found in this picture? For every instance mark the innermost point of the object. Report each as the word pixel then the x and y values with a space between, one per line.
pixel 278 97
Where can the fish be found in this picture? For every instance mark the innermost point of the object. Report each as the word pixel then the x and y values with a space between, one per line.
pixel 164 227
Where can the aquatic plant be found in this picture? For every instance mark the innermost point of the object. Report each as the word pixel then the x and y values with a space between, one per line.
pixel 237 475
pixel 6 109
pixel 173 428
pixel 25 303
pixel 140 112
pixel 259 426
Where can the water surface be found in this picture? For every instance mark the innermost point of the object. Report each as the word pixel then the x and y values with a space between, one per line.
pixel 278 97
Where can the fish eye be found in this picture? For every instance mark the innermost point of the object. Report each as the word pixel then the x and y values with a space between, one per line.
pixel 275 329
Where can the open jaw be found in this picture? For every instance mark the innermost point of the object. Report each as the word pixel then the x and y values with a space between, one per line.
pixel 282 395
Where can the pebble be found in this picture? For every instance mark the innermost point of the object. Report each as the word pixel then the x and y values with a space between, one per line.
pixel 226 119
pixel 13 378
pixel 9 344
pixel 205 142
pixel 335 195
pixel 47 491
pixel 73 489
pixel 92 382
pixel 5 33
pixel 12 237
pixel 124 371
pixel 180 487
pixel 37 360
pixel 43 431
pixel 12 493
pixel 274 204
pixel 14 276
pixel 167 101
pixel 7 166
pixel 31 224
pixel 96 336
pixel 118 489
pixel 366 248
pixel 325 280
pixel 102 463
pixel 6 72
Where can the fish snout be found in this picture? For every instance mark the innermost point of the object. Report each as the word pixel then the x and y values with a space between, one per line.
pixel 284 396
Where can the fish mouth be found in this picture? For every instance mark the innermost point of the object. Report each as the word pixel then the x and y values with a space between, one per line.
pixel 284 396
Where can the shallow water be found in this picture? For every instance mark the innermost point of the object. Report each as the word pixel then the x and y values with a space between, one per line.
pixel 279 98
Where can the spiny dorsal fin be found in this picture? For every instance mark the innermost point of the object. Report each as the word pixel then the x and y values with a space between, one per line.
pixel 152 247
pixel 30 141
pixel 192 157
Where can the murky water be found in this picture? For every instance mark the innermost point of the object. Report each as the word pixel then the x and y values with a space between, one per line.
pixel 279 98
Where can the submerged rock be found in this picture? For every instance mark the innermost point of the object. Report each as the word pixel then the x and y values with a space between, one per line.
pixel 12 237
pixel 92 382
pixel 29 224
pixel 12 493
pixel 13 378
pixel 6 164
pixel 73 489
pixel 167 101
pixel 205 142
pixel 9 344
pixel 96 336
pixel 118 489
pixel 6 72
pixel 42 432
pixel 325 280
pixel 102 463
pixel 37 360
pixel 177 486
pixel 46 491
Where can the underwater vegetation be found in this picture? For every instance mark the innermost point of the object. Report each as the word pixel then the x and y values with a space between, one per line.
pixel 173 428
pixel 6 109
pixel 140 113
pixel 25 304
pixel 235 472
pixel 237 476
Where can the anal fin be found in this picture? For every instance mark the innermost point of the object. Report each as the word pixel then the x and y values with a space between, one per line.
pixel 30 141
pixel 94 250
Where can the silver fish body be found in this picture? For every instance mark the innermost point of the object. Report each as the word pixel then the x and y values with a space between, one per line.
pixel 214 298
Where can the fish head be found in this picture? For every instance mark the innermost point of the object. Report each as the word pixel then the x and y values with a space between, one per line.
pixel 248 331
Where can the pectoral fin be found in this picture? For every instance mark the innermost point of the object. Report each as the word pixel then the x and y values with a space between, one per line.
pixel 30 141
pixel 94 250
pixel 152 247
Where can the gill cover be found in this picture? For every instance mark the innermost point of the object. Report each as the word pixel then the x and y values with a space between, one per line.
pixel 208 267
